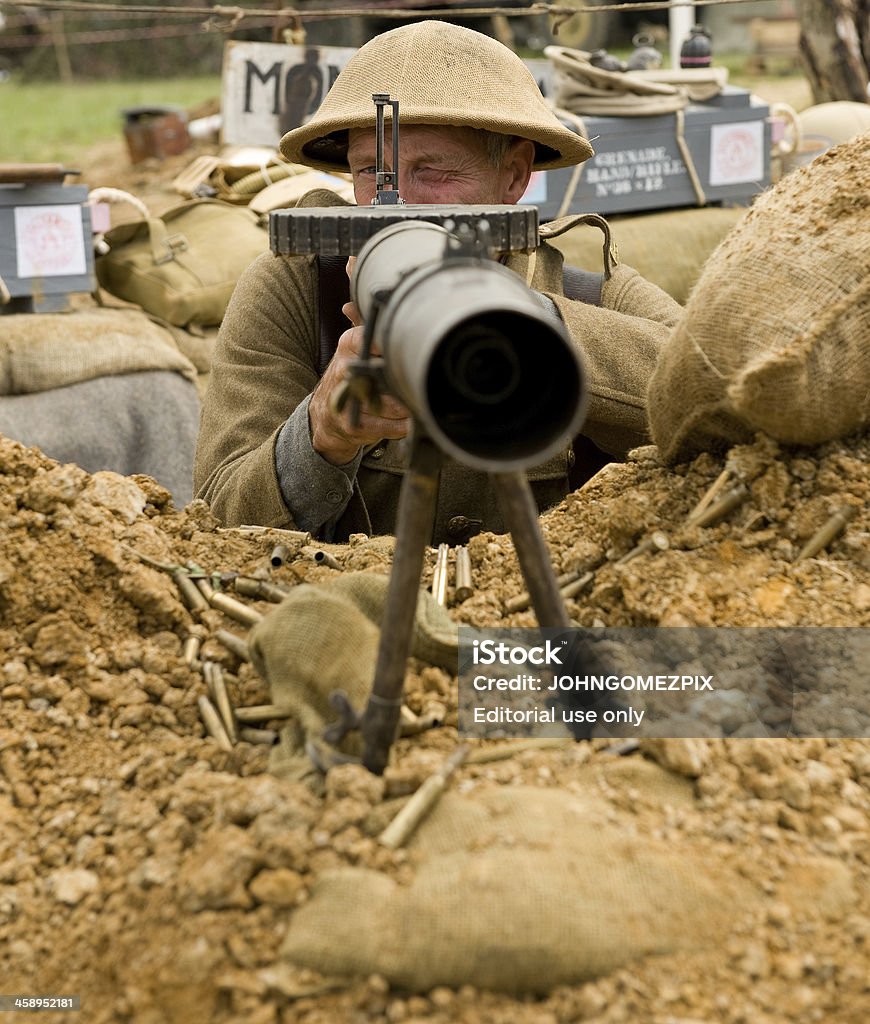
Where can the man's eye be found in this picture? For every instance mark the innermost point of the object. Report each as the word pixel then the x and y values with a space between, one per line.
pixel 366 170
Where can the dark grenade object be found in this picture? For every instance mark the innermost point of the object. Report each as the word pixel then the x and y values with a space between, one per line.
pixel 697 50
pixel 606 61
pixel 645 56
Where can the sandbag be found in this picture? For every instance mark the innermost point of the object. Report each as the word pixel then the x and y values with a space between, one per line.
pixel 668 248
pixel 776 335
pixel 518 889
pixel 325 637
pixel 184 265
pixel 41 351
pixel 128 423
pixel 836 122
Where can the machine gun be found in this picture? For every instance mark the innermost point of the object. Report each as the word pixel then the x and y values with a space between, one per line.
pixel 491 378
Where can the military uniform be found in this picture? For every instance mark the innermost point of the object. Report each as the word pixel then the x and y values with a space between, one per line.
pixel 266 364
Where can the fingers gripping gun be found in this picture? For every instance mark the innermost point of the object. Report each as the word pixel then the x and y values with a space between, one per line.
pixel 491 378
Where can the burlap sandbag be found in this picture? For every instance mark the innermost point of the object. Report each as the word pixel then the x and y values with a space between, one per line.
pixel 325 637
pixel 41 351
pixel 776 334
pixel 519 890
pixel 667 247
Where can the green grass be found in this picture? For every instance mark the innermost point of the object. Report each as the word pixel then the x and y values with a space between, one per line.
pixel 50 122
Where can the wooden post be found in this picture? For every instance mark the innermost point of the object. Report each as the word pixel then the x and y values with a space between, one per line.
pixel 831 48
pixel 61 49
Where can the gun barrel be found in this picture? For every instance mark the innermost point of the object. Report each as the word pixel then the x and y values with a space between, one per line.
pixel 490 374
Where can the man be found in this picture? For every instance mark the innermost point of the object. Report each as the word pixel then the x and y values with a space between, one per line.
pixel 272 448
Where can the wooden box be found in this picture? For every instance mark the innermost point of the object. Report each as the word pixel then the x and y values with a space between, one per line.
pixel 46 250
pixel 639 165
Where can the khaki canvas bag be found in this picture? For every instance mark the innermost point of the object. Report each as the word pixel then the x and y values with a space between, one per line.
pixel 182 266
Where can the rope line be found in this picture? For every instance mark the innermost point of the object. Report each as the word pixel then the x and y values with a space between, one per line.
pixel 324 13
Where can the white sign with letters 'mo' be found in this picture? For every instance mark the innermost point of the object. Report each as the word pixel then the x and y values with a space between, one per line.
pixel 269 88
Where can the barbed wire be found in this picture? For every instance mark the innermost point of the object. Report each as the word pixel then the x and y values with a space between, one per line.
pixel 238 14
pixel 107 35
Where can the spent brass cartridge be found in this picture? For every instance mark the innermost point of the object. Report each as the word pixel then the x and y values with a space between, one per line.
pixel 721 507
pixel 193 644
pixel 523 600
pixel 214 679
pixel 828 532
pixel 421 803
pixel 212 722
pixel 577 585
pixel 235 609
pixel 325 558
pixel 263 713
pixel 235 644
pixel 657 541
pixel 711 493
pixel 268 737
pixel 189 592
pixel 439 576
pixel 464 587
pixel 280 555
pixel 262 589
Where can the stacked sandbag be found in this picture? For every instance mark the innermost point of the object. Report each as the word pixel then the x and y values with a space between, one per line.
pixel 521 889
pixel 776 334
pixel 668 247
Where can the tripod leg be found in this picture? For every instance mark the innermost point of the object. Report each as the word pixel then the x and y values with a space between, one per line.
pixel 380 720
pixel 521 516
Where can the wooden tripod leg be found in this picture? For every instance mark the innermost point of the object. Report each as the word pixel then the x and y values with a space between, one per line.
pixel 521 516
pixel 416 514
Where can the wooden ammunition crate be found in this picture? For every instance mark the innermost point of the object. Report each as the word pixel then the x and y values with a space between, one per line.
pixel 638 164
pixel 46 250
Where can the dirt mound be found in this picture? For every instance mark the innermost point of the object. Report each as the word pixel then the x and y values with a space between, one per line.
pixel 153 874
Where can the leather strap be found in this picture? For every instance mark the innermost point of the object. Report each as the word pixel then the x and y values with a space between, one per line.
pixel 333 292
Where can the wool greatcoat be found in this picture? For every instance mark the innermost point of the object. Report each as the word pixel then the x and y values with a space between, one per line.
pixel 266 362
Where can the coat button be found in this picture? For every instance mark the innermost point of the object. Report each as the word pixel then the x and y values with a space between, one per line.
pixel 572 458
pixel 461 527
pixel 377 453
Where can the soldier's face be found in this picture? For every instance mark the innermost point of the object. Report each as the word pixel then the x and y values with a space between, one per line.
pixel 441 165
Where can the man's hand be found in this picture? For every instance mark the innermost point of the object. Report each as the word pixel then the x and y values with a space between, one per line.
pixel 332 436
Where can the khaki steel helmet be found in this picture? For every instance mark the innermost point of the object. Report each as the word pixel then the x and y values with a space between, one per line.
pixel 441 74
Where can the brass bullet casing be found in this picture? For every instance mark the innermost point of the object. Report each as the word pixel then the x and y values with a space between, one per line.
pixel 710 494
pixel 280 555
pixel 294 536
pixel 267 737
pixel 828 532
pixel 522 601
pixel 234 644
pixel 721 507
pixel 325 558
pixel 193 644
pixel 657 541
pixel 191 596
pixel 320 557
pixel 247 586
pixel 464 587
pixel 439 576
pixel 263 713
pixel 432 716
pixel 217 687
pixel 404 824
pixel 202 584
pixel 235 609
pixel 577 585
pixel 213 724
